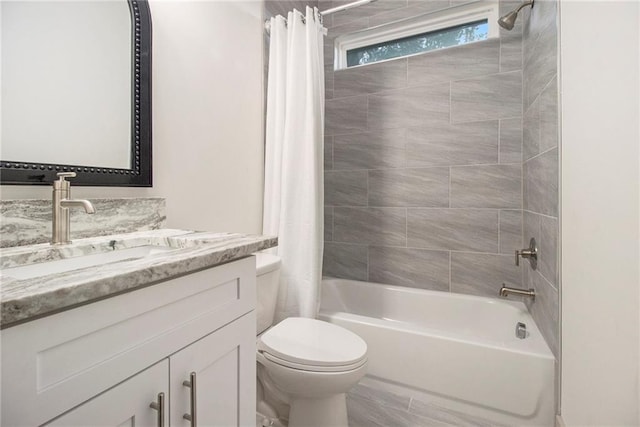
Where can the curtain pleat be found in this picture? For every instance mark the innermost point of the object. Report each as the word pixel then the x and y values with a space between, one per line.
pixel 294 184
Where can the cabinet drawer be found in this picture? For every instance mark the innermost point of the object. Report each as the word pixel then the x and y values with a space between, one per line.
pixel 53 364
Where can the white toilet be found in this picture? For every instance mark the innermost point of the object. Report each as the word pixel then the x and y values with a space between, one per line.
pixel 305 366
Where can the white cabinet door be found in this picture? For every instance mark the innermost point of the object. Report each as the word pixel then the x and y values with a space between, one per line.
pixel 126 404
pixel 224 364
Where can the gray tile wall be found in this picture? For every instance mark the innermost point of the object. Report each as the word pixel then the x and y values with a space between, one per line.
pixel 540 163
pixel 423 160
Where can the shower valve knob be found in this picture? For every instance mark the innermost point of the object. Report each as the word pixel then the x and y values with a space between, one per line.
pixel 531 253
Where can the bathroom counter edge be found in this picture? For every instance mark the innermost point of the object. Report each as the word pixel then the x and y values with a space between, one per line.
pixel 29 299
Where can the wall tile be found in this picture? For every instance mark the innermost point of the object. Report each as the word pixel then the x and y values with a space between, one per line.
pixel 549 118
pixel 535 21
pixel 371 150
pixel 371 78
pixel 416 268
pixel 453 229
pixel 510 52
pixel 345 115
pixel 328 152
pixel 370 9
pixel 541 66
pixel 339 28
pixel 379 226
pixel 548 247
pixel 482 274
pixel 511 140
pixel 486 98
pixel 414 9
pixel 328 50
pixel 328 224
pixel 492 186
pixel 459 144
pixel 414 106
pixel 409 187
pixel 345 261
pixel 345 188
pixel 544 309
pixel 531 131
pixel 329 75
pixel 282 7
pixel 510 231
pixel 530 228
pixel 477 59
pixel 328 93
pixel 541 183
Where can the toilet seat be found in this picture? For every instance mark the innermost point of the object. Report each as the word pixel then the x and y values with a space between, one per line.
pixel 312 368
pixel 312 345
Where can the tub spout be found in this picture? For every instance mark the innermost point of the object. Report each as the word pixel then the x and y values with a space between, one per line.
pixel 505 291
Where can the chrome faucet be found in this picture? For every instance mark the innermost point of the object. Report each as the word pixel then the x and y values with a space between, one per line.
pixel 60 228
pixel 505 291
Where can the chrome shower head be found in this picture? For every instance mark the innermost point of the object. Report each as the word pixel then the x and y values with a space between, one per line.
pixel 509 20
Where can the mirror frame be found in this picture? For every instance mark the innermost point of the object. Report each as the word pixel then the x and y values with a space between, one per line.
pixel 20 172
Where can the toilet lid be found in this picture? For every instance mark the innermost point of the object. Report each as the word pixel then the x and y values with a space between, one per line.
pixel 313 342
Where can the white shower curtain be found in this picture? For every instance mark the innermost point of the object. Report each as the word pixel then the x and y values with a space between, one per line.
pixel 294 190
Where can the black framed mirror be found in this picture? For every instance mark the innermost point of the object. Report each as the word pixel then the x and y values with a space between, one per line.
pixel 26 137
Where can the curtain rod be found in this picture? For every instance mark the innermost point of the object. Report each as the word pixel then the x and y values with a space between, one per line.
pixel 358 3
pixel 346 7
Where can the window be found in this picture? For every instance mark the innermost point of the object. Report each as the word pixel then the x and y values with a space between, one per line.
pixel 447 37
pixel 454 26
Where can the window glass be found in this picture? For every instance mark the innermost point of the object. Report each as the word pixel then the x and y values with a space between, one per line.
pixel 446 37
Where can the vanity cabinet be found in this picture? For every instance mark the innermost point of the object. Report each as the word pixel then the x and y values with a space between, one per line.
pixel 104 363
pixel 124 404
pixel 223 364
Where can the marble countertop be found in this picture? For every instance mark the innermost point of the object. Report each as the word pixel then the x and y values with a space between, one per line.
pixel 183 252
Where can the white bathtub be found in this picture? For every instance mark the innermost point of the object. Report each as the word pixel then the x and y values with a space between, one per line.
pixel 459 351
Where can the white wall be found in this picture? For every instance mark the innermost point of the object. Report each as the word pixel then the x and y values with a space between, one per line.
pixel 207 117
pixel 600 84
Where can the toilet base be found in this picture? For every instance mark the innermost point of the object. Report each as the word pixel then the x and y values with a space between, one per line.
pixel 330 411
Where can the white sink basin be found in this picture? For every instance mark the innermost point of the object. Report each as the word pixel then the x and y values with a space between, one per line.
pixel 40 269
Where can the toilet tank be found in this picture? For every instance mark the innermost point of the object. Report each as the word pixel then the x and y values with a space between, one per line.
pixel 268 283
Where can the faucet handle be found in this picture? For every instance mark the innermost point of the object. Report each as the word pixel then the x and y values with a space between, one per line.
pixel 62 184
pixel 63 175
pixel 531 253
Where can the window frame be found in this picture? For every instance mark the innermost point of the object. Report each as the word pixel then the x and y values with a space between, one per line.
pixel 425 23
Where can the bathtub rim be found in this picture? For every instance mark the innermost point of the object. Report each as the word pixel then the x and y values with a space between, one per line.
pixel 540 347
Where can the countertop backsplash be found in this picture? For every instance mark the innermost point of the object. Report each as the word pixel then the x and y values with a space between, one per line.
pixel 27 222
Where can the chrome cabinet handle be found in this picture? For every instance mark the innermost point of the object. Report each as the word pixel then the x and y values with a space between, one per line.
pixel 159 406
pixel 191 383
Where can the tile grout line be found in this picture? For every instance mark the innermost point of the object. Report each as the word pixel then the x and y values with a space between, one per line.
pixel 450 251
pixel 539 154
pixel 423 126
pixel 450 285
pixel 499 242
pixel 499 140
pixel 432 166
